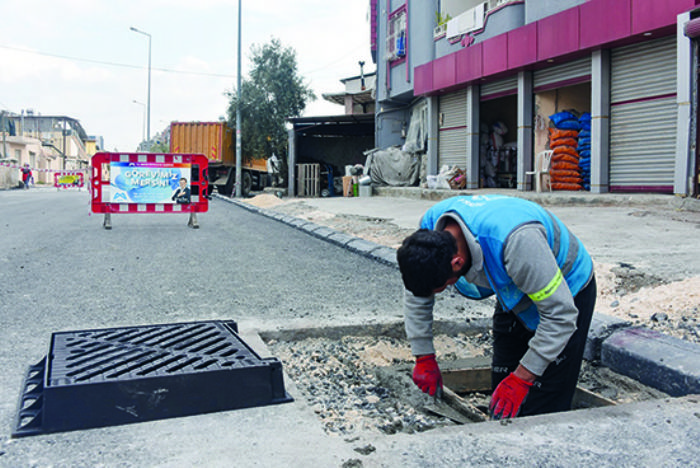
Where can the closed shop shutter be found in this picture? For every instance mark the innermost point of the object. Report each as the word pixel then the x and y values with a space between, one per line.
pixel 565 74
pixel 452 144
pixel 496 89
pixel 643 116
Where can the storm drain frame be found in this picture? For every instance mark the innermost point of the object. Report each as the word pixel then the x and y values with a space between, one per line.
pixel 106 377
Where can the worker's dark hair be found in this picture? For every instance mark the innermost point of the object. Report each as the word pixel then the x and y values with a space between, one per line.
pixel 425 260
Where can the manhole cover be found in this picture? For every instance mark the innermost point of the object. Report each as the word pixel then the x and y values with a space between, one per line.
pixel 96 378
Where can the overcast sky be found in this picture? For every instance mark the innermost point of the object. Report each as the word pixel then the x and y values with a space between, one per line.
pixel 79 58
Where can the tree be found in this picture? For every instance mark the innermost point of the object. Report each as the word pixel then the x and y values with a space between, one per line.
pixel 273 93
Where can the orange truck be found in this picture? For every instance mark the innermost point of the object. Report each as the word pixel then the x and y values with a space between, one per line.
pixel 216 141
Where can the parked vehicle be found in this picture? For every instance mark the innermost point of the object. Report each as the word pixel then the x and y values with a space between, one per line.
pixel 215 141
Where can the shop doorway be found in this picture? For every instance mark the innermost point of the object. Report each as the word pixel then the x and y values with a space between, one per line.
pixel 498 156
pixel 575 99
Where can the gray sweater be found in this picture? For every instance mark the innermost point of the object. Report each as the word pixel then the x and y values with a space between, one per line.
pixel 531 264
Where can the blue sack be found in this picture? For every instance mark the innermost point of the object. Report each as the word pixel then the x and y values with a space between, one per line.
pixel 562 116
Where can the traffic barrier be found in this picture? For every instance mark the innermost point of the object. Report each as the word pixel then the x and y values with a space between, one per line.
pixel 68 179
pixel 146 183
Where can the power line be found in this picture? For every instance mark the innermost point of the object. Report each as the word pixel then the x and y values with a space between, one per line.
pixel 115 64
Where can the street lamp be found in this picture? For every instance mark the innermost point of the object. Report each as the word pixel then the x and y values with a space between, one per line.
pixel 143 135
pixel 148 102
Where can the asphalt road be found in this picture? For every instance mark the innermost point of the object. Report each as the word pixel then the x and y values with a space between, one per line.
pixel 61 271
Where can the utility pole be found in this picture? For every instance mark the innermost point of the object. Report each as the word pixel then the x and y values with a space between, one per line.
pixel 4 134
pixel 239 158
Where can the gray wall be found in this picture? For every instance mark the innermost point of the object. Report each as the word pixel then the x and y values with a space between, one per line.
pixel 538 9
pixel 389 125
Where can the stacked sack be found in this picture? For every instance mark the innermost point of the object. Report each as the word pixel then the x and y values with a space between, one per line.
pixel 584 149
pixel 565 173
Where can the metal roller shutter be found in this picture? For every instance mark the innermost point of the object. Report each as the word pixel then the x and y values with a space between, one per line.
pixel 643 116
pixel 452 144
pixel 551 77
pixel 499 88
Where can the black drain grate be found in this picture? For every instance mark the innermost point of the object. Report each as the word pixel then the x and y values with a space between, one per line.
pixel 96 378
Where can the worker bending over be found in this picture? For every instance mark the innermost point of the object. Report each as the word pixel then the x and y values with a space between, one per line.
pixel 542 277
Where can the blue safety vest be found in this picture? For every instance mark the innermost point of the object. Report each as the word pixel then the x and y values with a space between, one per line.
pixel 491 219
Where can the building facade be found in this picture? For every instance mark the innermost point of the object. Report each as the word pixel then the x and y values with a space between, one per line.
pixel 61 136
pixel 492 78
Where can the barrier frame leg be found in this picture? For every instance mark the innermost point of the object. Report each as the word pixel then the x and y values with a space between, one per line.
pixel 193 221
pixel 107 221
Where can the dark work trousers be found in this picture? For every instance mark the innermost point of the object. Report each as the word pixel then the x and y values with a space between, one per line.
pixel 554 390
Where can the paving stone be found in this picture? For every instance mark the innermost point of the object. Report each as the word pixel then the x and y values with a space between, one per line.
pixel 323 232
pixel 362 246
pixel 341 238
pixel 385 255
pixel 664 362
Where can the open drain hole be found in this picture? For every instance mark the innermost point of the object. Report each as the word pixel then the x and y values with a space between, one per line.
pixel 363 382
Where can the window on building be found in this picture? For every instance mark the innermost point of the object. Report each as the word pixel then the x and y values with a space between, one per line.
pixel 454 8
pixel 18 155
pixel 32 159
pixel 396 35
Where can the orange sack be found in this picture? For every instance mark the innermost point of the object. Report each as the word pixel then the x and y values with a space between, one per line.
pixel 566 180
pixel 565 165
pixel 565 158
pixel 565 149
pixel 560 186
pixel 555 133
pixel 563 141
pixel 565 173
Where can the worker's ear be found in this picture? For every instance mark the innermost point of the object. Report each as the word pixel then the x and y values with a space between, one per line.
pixel 457 263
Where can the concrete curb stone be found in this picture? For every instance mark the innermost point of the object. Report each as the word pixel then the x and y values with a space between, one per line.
pixel 664 362
pixel 386 255
pixel 340 239
pixel 322 232
pixel 362 246
pixel 602 326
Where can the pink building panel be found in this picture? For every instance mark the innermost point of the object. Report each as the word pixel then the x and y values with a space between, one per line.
pixel 495 55
pixel 604 21
pixel 469 64
pixel 648 15
pixel 558 34
pixel 444 72
pixel 423 79
pixel 522 46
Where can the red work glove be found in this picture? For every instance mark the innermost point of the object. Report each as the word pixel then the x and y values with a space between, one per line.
pixel 508 396
pixel 427 375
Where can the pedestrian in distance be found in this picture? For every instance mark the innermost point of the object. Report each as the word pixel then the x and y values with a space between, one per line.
pixel 26 175
pixel 544 283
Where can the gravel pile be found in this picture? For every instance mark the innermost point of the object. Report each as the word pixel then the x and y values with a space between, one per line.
pixel 364 383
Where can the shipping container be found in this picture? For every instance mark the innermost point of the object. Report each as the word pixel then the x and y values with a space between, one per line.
pixel 216 141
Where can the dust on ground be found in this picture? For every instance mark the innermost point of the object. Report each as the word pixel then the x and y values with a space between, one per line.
pixel 623 291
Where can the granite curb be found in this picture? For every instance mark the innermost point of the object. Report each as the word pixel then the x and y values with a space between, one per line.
pixel 660 361
pixel 375 251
